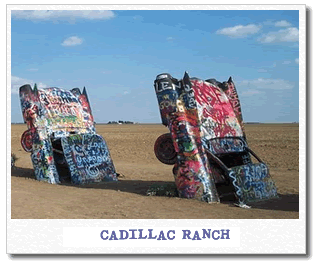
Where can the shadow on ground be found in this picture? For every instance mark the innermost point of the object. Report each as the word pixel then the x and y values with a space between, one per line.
pixel 285 202
pixel 23 172
pixel 132 186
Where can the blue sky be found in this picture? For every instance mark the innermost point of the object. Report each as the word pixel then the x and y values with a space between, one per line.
pixel 117 54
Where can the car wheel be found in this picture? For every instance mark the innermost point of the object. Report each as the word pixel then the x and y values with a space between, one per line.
pixel 26 141
pixel 164 149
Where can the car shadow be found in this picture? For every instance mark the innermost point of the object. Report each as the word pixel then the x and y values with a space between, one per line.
pixel 284 202
pixel 139 187
pixel 132 186
pixel 23 172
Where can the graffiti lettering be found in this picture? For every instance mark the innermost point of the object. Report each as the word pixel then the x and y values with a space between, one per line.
pixel 206 117
pixel 166 84
pixel 225 145
pixel 252 182
pixel 214 105
pixel 88 158
pixel 54 113
pixel 232 94
pixel 43 163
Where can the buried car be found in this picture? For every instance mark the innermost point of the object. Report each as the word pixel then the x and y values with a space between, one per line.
pixel 207 143
pixel 61 137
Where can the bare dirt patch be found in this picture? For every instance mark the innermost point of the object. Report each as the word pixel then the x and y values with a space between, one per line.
pixel 131 148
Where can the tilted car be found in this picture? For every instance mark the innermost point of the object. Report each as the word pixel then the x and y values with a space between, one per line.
pixel 61 137
pixel 206 142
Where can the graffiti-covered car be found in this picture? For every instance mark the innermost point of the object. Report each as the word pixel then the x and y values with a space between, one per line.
pixel 206 142
pixel 61 137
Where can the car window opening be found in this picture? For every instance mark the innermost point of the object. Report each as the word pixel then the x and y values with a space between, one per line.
pixel 60 161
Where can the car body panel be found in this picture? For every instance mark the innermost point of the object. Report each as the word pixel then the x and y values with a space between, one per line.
pixel 88 158
pixel 253 182
pixel 54 115
pixel 205 121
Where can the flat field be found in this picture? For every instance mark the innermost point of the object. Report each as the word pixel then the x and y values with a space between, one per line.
pixel 131 148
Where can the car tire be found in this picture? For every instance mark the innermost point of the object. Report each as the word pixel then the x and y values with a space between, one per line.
pixel 164 149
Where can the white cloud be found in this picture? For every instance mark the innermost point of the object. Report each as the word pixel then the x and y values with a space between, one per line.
pixel 17 82
pixel 286 62
pixel 240 31
pixel 284 35
pixel 106 72
pixel 72 41
pixel 251 93
pixel 138 18
pixel 32 69
pixel 62 15
pixel 267 84
pixel 170 38
pixel 262 70
pixel 296 61
pixel 282 23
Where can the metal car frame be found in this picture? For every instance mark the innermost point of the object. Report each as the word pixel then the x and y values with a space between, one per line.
pixel 61 137
pixel 206 142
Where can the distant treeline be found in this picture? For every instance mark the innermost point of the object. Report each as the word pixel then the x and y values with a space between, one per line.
pixel 120 122
pixel 255 123
pixel 110 122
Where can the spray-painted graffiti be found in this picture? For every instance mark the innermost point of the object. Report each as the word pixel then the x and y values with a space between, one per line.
pixel 88 158
pixel 230 90
pixel 252 182
pixel 193 173
pixel 52 116
pixel 87 113
pixel 225 145
pixel 64 110
pixel 43 162
pixel 179 112
pixel 27 139
pixel 215 111
pixel 30 105
pixel 205 121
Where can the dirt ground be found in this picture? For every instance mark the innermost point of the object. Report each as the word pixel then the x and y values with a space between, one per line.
pixel 131 148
